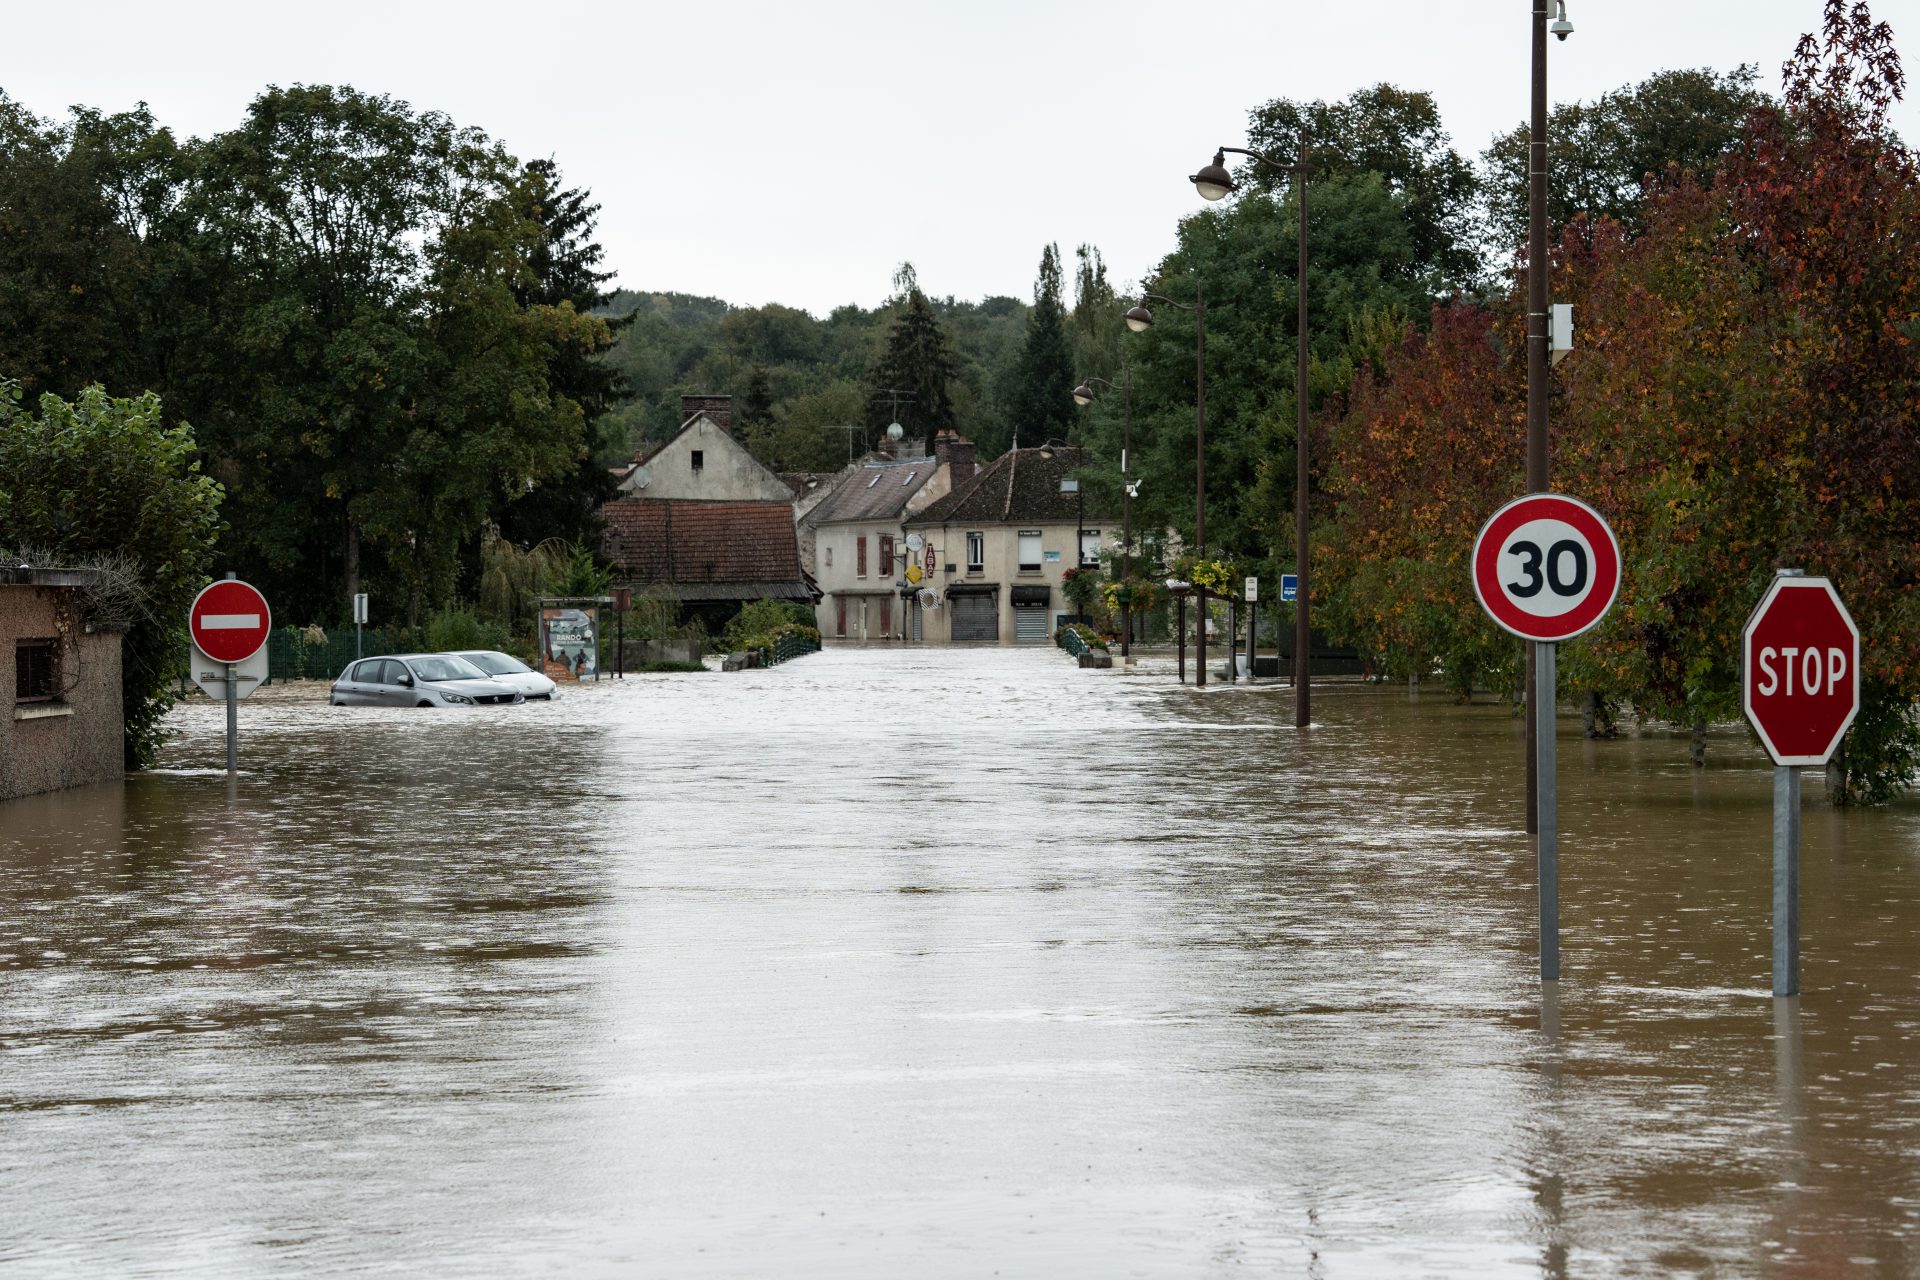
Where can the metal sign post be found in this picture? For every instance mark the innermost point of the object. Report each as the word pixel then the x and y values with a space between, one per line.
pixel 359 620
pixel 233 721
pixel 1546 568
pixel 1800 689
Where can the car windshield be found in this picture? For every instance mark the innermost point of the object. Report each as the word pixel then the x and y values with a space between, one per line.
pixel 497 664
pixel 445 667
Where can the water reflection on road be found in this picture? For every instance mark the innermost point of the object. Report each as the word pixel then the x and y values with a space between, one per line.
pixel 940 964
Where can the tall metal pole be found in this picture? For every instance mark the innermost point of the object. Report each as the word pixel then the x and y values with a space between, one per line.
pixel 1786 881
pixel 1539 471
pixel 233 723
pixel 1548 846
pixel 1126 522
pixel 1302 631
pixel 1200 471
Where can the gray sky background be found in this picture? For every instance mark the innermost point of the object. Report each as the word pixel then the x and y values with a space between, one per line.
pixel 795 152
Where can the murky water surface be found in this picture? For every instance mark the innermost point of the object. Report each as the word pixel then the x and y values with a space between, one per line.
pixel 944 964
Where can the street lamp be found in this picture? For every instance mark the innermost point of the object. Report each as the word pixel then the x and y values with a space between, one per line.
pixel 1084 395
pixel 1213 182
pixel 1539 469
pixel 1139 319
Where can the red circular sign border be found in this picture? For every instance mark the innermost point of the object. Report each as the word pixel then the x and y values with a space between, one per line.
pixel 266 612
pixel 1574 512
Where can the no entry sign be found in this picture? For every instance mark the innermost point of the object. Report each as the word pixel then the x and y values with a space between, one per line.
pixel 1800 659
pixel 229 620
pixel 1546 567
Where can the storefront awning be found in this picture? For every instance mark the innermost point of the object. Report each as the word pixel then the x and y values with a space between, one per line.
pixel 1032 595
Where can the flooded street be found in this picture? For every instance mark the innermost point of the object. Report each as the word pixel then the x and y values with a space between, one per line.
pixel 945 963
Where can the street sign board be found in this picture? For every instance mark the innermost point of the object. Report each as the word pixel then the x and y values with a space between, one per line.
pixel 1546 567
pixel 229 620
pixel 1253 590
pixel 929 557
pixel 359 608
pixel 1289 587
pixel 913 574
pixel 248 674
pixel 915 542
pixel 1800 670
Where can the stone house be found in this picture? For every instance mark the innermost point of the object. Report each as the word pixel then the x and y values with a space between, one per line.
pixel 1003 542
pixel 703 461
pixel 860 542
pixel 63 688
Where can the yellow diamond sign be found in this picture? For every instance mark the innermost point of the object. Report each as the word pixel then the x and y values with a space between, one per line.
pixel 913 574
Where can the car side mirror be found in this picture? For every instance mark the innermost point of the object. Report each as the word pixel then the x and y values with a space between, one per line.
pixel 406 682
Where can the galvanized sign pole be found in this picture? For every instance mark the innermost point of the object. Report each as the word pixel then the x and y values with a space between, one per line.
pixel 1786 881
pixel 1547 847
pixel 1800 689
pixel 233 720
pixel 1546 567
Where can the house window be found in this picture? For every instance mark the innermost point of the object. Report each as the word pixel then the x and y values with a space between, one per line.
pixel 886 555
pixel 829 557
pixel 699 459
pixel 860 556
pixel 1029 551
pixel 36 670
pixel 1089 548
pixel 976 552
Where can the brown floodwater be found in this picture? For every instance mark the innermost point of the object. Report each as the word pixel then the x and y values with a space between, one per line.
pixel 945 963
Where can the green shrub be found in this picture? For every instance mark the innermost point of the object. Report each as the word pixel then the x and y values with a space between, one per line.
pixel 456 627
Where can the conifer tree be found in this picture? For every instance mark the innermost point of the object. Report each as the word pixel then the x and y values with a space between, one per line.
pixel 918 363
pixel 1039 397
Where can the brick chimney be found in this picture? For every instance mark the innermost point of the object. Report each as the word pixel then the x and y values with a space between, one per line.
pixel 955 451
pixel 719 408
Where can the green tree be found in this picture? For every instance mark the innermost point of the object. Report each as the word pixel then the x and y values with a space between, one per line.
pixel 918 360
pixel 1600 153
pixel 1037 398
pixel 103 477
pixel 1397 134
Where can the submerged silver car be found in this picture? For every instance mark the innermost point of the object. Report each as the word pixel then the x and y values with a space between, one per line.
pixel 509 670
pixel 419 680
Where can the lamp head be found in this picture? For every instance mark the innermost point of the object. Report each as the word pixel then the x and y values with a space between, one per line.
pixel 1083 394
pixel 1213 182
pixel 1561 28
pixel 1139 319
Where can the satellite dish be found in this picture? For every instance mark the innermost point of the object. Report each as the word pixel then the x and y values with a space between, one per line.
pixel 895 431
pixel 641 478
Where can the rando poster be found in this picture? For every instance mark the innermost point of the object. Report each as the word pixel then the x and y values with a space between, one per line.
pixel 568 643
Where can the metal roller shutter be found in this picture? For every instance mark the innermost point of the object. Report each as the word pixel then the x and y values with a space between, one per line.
pixel 1030 624
pixel 976 616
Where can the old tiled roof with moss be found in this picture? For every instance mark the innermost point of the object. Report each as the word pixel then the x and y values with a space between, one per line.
pixel 1021 486
pixel 705 550
pixel 877 491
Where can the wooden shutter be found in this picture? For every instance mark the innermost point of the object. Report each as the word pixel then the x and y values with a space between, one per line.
pixel 860 556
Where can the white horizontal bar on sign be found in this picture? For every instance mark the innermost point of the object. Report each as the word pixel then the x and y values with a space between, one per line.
pixel 229 621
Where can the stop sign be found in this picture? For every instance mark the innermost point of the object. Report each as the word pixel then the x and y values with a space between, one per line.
pixel 1800 665
pixel 229 620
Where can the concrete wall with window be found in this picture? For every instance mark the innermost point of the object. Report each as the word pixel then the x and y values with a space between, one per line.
pixel 848 569
pixel 1008 556
pixel 60 688
pixel 704 461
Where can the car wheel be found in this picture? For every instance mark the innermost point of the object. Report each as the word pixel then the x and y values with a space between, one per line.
pixel 423 704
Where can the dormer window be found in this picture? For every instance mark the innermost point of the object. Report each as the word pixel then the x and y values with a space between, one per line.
pixel 699 459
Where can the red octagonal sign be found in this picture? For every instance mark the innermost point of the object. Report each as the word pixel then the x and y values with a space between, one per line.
pixel 1800 664
pixel 229 620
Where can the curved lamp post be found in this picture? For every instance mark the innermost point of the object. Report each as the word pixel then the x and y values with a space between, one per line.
pixel 1139 319
pixel 1084 395
pixel 1213 182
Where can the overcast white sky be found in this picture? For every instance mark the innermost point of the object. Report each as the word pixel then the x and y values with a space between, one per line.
pixel 795 152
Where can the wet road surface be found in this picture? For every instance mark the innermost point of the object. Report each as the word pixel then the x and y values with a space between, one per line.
pixel 944 963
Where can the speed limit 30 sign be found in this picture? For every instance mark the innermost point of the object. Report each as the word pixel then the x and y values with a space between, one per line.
pixel 1546 567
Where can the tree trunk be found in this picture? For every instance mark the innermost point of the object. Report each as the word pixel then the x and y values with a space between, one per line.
pixel 1697 750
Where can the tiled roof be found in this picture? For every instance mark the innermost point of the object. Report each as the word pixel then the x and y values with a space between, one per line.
pixel 877 491
pixel 1021 486
pixel 683 543
pixel 804 482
